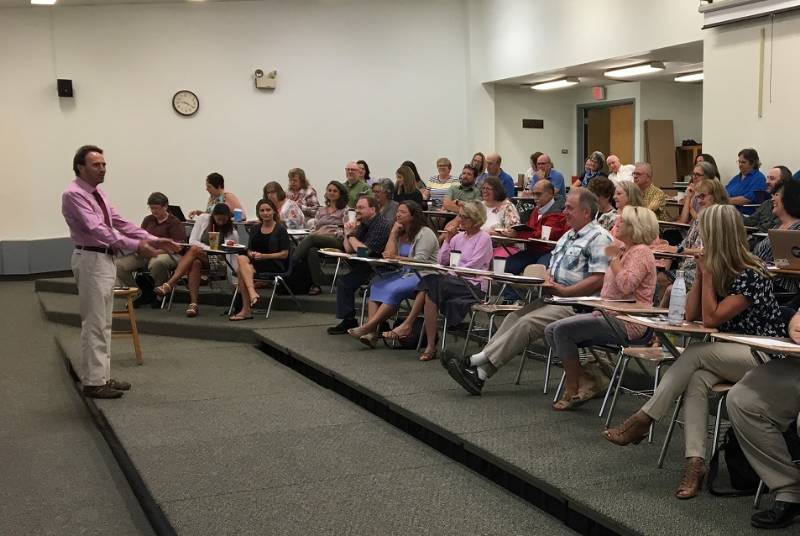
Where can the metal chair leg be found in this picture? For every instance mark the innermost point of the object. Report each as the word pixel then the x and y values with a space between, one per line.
pixel 656 378
pixel 171 297
pixel 611 383
pixel 444 335
pixel 364 301
pixel 547 370
pixel 335 274
pixel 717 424
pixel 560 386
pixel 625 360
pixel 469 333
pixel 521 366
pixel 671 429
pixel 233 299
pixel 282 281
pixel 271 298
pixel 759 492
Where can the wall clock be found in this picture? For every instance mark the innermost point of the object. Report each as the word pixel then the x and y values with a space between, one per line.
pixel 185 102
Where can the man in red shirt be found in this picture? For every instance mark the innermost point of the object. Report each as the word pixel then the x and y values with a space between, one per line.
pixel 548 212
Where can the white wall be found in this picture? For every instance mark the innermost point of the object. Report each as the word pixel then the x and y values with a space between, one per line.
pixel 357 79
pixel 683 103
pixel 529 36
pixel 730 93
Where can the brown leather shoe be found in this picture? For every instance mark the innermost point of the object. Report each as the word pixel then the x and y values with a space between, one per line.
pixel 633 430
pixel 101 391
pixel 692 479
pixel 119 385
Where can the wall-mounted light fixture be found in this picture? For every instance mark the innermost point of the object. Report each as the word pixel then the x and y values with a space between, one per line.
pixel 43 2
pixel 635 70
pixel 689 77
pixel 556 84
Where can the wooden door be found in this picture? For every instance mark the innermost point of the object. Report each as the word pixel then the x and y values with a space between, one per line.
pixel 621 132
pixel 597 132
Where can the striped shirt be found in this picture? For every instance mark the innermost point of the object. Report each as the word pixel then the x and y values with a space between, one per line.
pixel 579 254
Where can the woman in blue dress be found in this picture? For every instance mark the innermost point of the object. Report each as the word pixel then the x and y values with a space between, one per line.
pixel 411 238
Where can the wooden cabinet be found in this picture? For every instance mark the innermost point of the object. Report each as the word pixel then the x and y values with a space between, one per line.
pixel 684 159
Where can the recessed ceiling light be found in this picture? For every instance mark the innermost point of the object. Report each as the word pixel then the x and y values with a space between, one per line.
pixel 556 84
pixel 635 70
pixel 689 77
pixel 43 2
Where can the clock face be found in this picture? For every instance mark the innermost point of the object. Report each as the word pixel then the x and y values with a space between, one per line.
pixel 185 102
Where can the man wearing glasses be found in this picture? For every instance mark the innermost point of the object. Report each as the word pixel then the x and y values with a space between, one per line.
pixel 763 218
pixel 544 170
pixel 653 197
pixel 355 183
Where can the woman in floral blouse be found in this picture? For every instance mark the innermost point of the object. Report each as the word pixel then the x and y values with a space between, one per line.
pixel 302 193
pixel 733 293
pixel 290 212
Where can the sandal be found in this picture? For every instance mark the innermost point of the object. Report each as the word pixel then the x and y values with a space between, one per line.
pixel 370 339
pixel 239 317
pixel 427 356
pixel 192 310
pixel 569 401
pixel 163 290
pixel 394 336
pixel 314 290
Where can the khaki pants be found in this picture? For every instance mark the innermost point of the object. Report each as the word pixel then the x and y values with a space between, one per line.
pixel 699 367
pixel 521 328
pixel 95 274
pixel 762 406
pixel 158 266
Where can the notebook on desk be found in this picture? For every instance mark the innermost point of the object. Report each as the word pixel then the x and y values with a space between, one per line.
pixel 785 248
pixel 176 211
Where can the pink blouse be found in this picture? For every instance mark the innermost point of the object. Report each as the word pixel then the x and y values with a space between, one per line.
pixel 636 280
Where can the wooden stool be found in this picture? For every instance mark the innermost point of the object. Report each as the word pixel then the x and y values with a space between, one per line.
pixel 130 314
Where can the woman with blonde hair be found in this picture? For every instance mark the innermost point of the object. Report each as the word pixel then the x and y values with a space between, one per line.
pixel 733 293
pixel 631 274
pixel 691 204
pixel 301 192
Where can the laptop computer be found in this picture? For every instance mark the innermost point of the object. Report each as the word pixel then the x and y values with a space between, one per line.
pixel 785 248
pixel 176 211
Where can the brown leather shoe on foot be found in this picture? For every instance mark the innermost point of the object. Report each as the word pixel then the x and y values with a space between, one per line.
pixel 692 479
pixel 101 391
pixel 633 430
pixel 119 385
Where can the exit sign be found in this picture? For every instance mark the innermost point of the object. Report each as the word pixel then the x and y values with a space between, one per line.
pixel 599 93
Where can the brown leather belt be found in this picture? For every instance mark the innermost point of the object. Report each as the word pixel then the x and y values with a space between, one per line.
pixel 96 249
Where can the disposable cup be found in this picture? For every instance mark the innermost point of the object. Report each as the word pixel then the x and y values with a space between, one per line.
pixel 455 258
pixel 546 232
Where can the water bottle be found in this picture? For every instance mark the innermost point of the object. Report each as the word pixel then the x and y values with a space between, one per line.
pixel 677 300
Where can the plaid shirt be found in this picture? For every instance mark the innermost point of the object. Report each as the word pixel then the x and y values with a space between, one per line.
pixel 374 234
pixel 579 254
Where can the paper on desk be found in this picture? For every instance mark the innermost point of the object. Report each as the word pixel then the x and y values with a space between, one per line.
pixel 766 341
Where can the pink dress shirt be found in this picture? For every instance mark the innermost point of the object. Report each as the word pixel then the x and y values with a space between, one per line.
pixel 636 279
pixel 87 224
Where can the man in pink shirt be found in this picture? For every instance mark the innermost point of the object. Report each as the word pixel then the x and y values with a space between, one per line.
pixel 99 233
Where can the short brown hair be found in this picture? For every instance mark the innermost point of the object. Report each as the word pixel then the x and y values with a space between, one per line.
pixel 301 175
pixel 444 162
pixel 80 156
pixel 277 188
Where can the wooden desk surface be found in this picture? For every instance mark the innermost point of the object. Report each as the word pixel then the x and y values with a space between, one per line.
pixel 782 345
pixel 689 328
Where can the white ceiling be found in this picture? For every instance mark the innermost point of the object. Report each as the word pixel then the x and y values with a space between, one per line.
pixel 27 3
pixel 677 59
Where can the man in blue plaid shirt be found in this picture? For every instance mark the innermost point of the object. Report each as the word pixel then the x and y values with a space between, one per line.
pixel 577 266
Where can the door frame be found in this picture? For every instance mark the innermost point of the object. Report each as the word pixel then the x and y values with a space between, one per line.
pixel 581 142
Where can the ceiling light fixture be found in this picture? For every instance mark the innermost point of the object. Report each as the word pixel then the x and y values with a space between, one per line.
pixel 556 84
pixel 43 2
pixel 635 70
pixel 689 77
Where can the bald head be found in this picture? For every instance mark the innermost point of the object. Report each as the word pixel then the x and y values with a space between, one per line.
pixel 643 175
pixel 543 192
pixel 613 163
pixel 493 161
pixel 544 163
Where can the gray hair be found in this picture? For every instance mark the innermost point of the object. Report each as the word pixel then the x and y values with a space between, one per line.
pixel 599 159
pixel 708 169
pixel 587 200
pixel 646 166
pixel 387 185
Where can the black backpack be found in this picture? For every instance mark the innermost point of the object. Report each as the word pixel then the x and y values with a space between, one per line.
pixel 744 479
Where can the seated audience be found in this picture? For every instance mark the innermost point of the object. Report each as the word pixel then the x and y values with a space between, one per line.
pixel 326 233
pixel 500 211
pixel 604 189
pixel 448 293
pixel 577 266
pixel 493 169
pixel 215 186
pixel 548 212
pixel 631 274
pixel 652 196
pixel 267 253
pixel 439 183
pixel 618 172
pixel 406 186
pixel 479 163
pixel 762 406
pixel 626 194
pixel 544 170
pixel 301 192
pixel 355 183
pixel 365 173
pixel 691 204
pixel 289 212
pixel 383 191
pixel 411 238
pixel 708 192
pixel 158 223
pixel 593 168
pixel 763 218
pixel 417 179
pixel 733 293
pixel 465 190
pixel 742 187
pixel 705 157
pixel 369 234
pixel 532 169
pixel 786 208
pixel 195 259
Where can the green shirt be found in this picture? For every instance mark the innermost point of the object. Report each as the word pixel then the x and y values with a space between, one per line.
pixel 461 193
pixel 354 191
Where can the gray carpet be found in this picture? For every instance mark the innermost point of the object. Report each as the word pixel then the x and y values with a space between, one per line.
pixel 58 475
pixel 230 442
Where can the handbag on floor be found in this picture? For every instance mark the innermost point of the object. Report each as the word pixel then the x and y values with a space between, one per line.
pixel 410 342
pixel 744 479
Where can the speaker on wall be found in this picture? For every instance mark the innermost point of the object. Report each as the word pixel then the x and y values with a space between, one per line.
pixel 64 87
